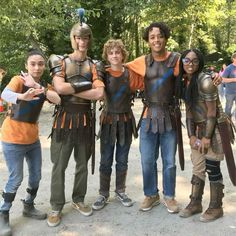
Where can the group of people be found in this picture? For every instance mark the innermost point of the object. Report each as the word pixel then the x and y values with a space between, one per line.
pixel 77 81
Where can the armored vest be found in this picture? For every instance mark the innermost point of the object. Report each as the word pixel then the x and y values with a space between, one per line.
pixel 76 71
pixel 118 96
pixel 27 111
pixel 117 119
pixel 159 84
pixel 207 91
pixel 74 113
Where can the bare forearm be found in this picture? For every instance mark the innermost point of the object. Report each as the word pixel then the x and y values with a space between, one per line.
pixel 229 80
pixel 53 97
pixel 62 87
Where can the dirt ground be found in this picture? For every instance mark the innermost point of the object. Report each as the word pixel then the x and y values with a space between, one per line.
pixel 116 219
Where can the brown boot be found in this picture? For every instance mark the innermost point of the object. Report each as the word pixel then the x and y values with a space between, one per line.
pixel 215 209
pixel 195 205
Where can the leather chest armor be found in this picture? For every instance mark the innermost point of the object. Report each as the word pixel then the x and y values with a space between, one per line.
pixel 159 84
pixel 76 71
pixel 118 95
pixel 117 119
pixel 207 91
pixel 159 79
pixel 27 111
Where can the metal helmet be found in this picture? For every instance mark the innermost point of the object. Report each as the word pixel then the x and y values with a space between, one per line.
pixel 81 30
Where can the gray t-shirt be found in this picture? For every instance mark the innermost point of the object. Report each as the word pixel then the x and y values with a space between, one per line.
pixel 230 72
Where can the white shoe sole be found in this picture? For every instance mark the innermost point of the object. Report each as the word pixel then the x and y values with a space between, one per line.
pixel 97 208
pixel 149 208
pixel 82 212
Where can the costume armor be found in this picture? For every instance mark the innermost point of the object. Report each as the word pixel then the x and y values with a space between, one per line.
pixel 159 89
pixel 206 127
pixel 117 115
pixel 118 94
pixel 218 129
pixel 75 74
pixel 27 111
pixel 74 112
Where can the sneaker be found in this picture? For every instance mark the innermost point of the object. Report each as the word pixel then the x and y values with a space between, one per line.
pixel 149 202
pixel 54 218
pixel 124 199
pixel 100 202
pixel 171 205
pixel 82 208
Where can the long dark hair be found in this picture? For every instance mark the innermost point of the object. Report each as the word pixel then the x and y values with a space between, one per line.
pixel 182 90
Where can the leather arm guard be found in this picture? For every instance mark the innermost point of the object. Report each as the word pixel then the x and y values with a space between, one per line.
pixel 210 127
pixel 101 72
pixel 207 90
pixel 80 86
pixel 190 127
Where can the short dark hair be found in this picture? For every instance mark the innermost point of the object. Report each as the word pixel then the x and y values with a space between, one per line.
pixel 161 25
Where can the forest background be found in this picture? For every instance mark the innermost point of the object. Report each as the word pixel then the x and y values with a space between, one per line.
pixel 209 25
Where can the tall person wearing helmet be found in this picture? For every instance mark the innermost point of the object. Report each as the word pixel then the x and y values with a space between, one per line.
pixel 76 79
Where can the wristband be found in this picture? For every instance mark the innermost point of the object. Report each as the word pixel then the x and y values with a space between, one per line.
pixel 81 86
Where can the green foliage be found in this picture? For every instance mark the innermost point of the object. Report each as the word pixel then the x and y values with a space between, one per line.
pixel 206 24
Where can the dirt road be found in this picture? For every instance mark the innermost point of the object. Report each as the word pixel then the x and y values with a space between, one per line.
pixel 115 219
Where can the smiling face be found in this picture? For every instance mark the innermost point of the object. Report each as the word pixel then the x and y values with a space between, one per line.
pixel 114 56
pixel 190 63
pixel 156 41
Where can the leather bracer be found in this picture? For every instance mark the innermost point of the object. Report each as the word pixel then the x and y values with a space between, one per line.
pixel 80 86
pixel 190 127
pixel 210 127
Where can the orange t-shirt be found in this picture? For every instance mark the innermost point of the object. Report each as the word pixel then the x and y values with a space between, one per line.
pixel 18 132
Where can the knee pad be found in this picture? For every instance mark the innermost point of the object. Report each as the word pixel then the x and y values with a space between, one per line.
pixel 213 170
pixel 8 197
pixel 32 191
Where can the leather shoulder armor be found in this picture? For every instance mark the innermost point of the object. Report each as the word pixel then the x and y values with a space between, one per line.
pixel 101 72
pixel 173 58
pixel 55 63
pixel 207 90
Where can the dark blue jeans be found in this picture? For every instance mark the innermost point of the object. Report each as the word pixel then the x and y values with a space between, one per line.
pixel 121 157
